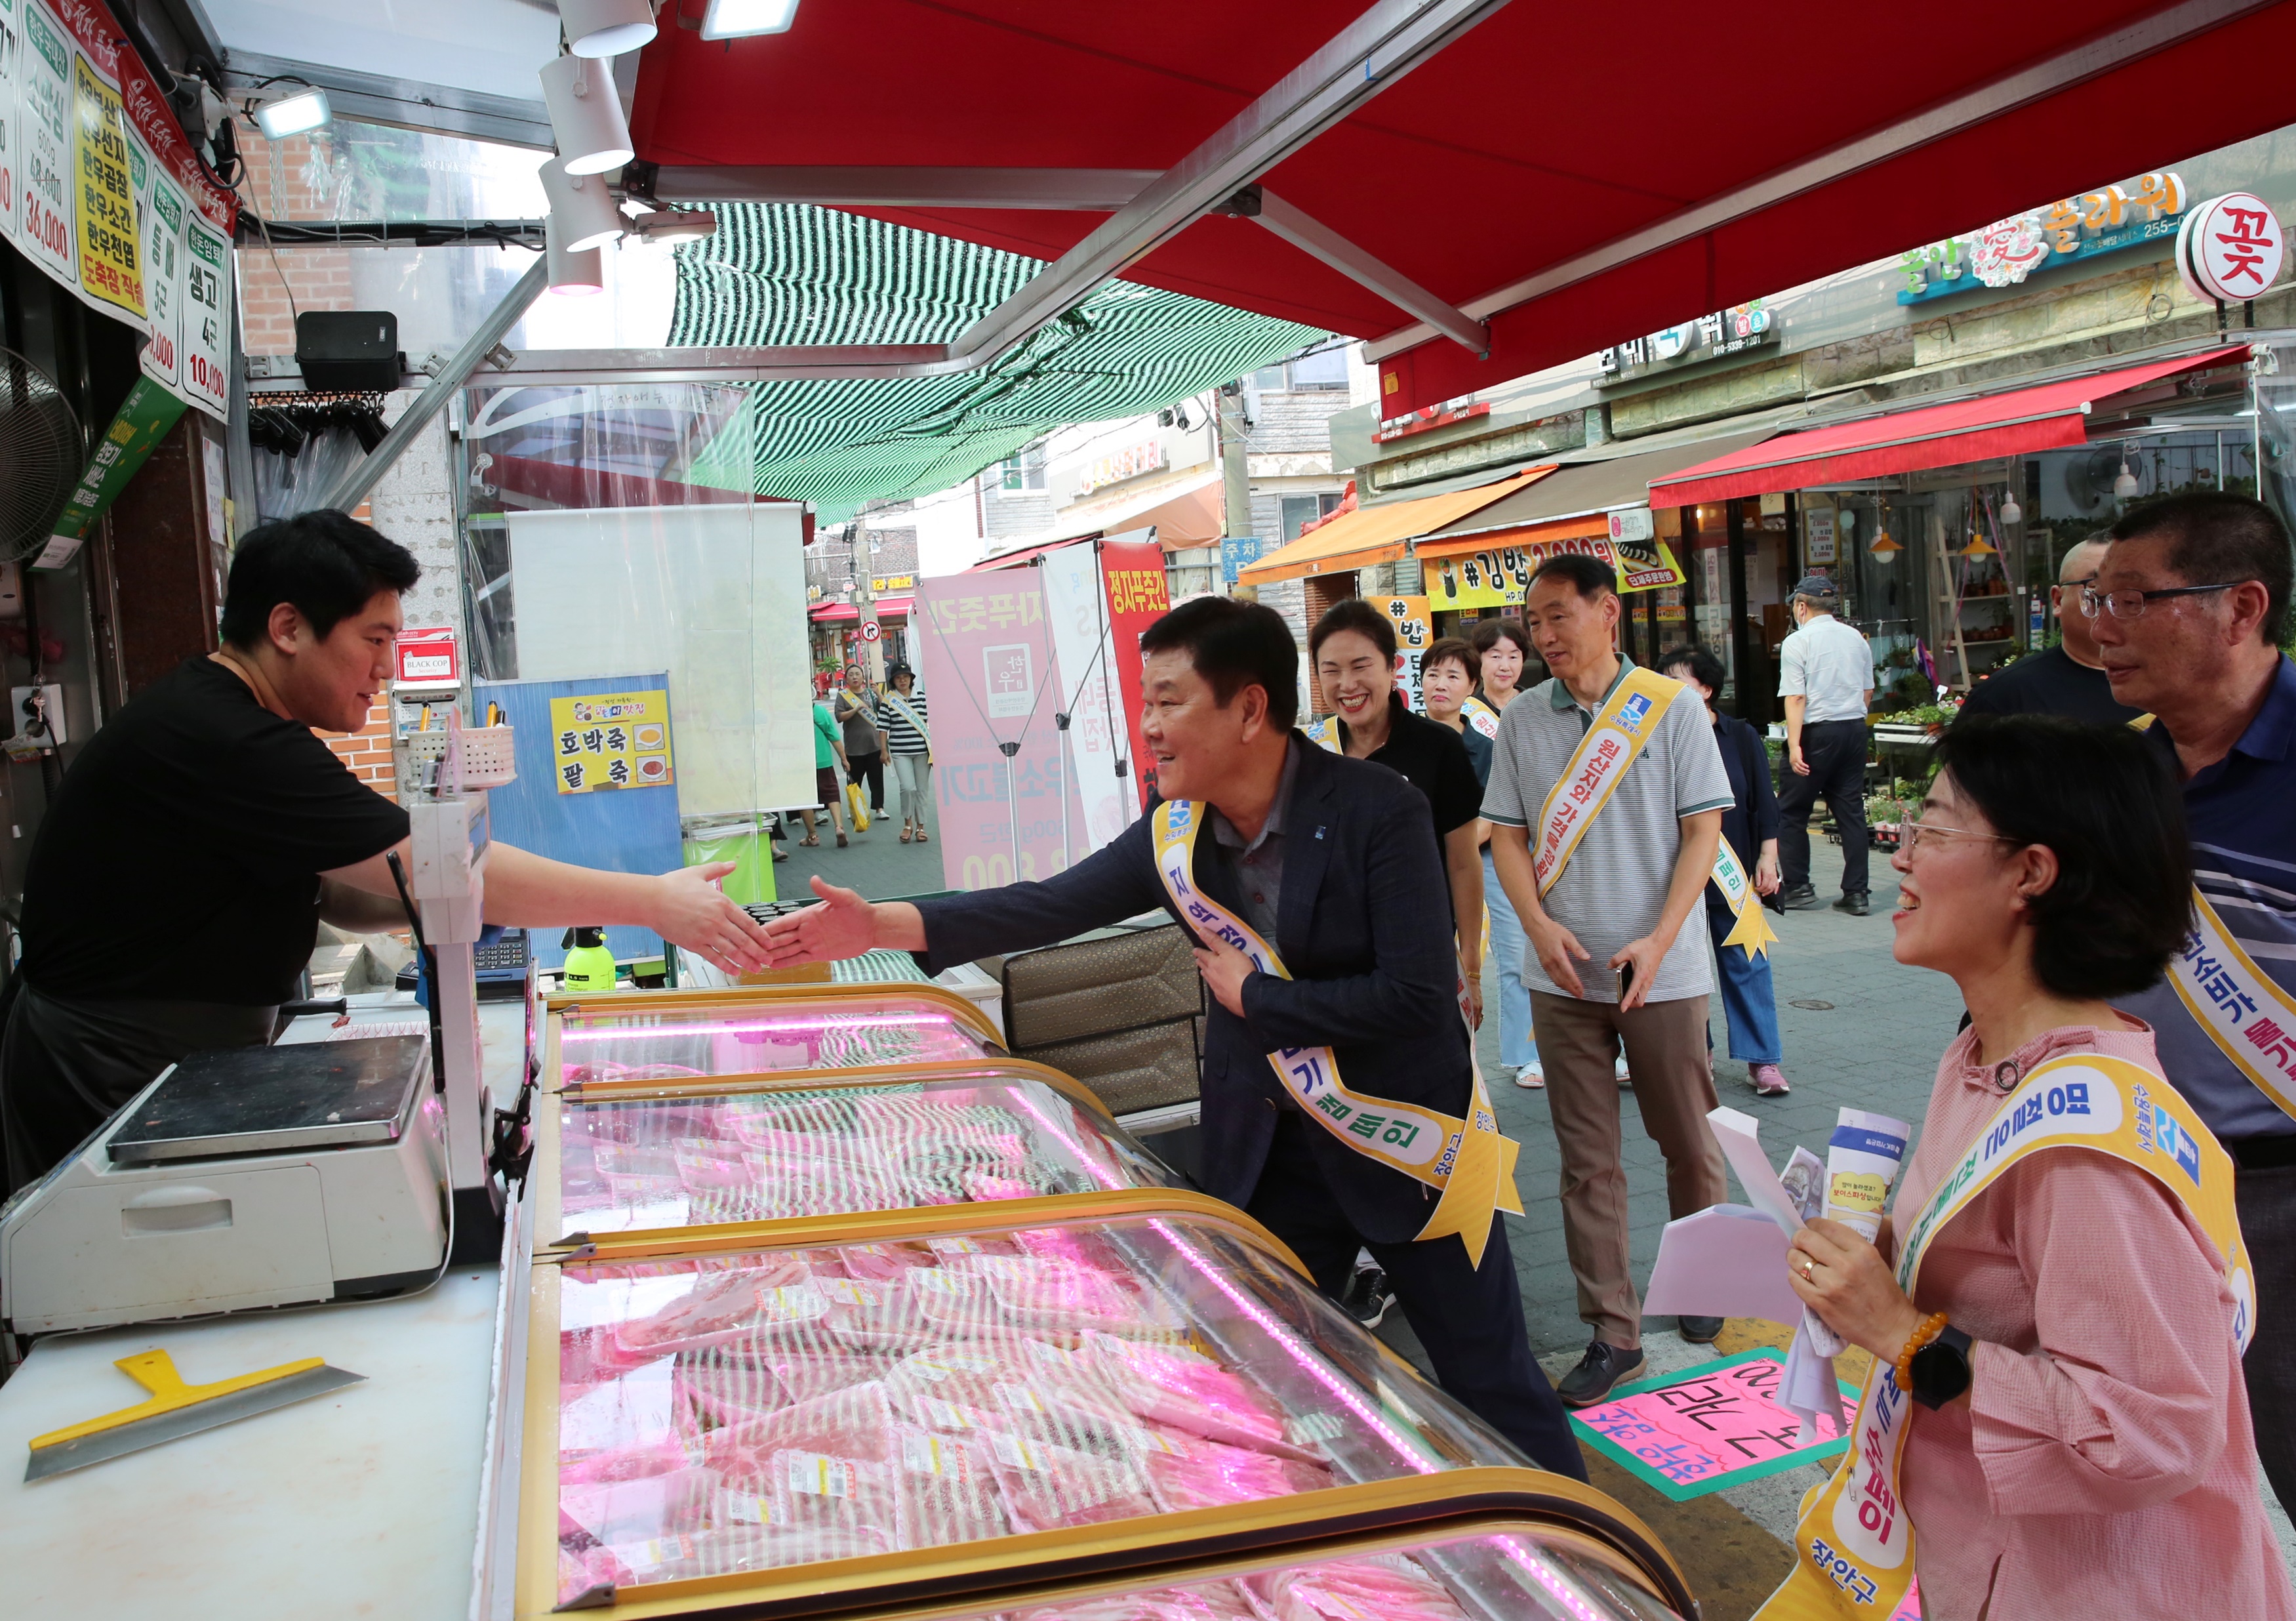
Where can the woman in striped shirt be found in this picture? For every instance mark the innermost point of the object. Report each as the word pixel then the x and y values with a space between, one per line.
pixel 908 739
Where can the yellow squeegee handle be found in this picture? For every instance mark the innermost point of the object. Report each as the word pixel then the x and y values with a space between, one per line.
pixel 155 1370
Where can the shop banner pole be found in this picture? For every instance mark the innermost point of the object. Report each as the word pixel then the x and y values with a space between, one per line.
pixel 355 484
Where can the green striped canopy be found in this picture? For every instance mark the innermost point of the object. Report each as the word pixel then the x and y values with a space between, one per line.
pixel 792 274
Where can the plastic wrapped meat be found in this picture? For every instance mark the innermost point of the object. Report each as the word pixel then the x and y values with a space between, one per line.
pixel 719 1390
pixel 1055 1296
pixel 1173 1385
pixel 944 1491
pixel 726 1549
pixel 662 1454
pixel 1386 1585
pixel 1072 1245
pixel 854 1423
pixel 1020 1387
pixel 872 1315
pixel 804 1375
pixel 1204 1475
pixel 627 1511
pixel 844 1496
pixel 1206 1601
pixel 728 1305
pixel 601 1069
pixel 880 1262
pixel 1047 1486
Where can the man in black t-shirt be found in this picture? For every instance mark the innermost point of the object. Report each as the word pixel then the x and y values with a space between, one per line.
pixel 2067 679
pixel 176 885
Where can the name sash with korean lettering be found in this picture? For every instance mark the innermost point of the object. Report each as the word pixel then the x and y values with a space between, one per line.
pixel 2242 1008
pixel 1479 715
pixel 913 718
pixel 1467 1160
pixel 1623 727
pixel 1854 1543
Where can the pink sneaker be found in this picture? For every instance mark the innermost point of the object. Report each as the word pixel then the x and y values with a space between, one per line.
pixel 1768 1080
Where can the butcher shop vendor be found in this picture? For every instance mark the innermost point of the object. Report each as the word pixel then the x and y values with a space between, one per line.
pixel 180 876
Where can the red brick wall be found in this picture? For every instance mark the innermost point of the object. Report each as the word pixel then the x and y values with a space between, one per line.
pixel 321 278
pixel 367 750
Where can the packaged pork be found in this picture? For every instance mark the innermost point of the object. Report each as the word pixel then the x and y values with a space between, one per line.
pixel 764 1293
pixel 1388 1586
pixel 1204 1601
pixel 1195 1473
pixel 1047 1486
pixel 944 1491
pixel 1174 1385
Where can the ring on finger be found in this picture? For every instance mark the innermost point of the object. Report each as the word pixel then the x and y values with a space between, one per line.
pixel 1809 1267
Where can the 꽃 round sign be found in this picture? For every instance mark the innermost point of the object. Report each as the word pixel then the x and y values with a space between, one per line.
pixel 2231 247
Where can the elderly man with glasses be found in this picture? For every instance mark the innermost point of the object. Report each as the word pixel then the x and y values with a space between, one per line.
pixel 2189 611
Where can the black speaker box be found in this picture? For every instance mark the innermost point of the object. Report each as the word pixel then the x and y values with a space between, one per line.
pixel 355 350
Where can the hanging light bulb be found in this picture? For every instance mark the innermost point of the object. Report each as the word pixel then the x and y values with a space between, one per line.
pixel 586 115
pixel 2125 485
pixel 2011 513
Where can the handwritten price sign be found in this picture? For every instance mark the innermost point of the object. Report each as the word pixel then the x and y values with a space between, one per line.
pixel 1717 1424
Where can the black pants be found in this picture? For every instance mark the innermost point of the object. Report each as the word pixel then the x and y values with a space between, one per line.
pixel 869 768
pixel 1835 753
pixel 1470 1320
pixel 2266 1202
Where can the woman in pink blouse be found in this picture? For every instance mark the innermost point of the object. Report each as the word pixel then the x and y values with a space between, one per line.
pixel 2089 1452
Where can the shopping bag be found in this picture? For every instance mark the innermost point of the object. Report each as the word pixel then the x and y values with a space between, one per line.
pixel 857 802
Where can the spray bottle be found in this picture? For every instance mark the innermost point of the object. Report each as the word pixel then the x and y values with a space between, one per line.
pixel 589 964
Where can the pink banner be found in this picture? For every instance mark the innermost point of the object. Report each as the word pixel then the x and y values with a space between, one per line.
pixel 97 34
pixel 991 678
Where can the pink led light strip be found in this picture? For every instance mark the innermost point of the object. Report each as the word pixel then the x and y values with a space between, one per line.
pixel 1308 1361
pixel 628 1033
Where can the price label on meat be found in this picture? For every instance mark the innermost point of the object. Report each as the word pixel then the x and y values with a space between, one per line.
pixel 611 740
pixel 43 123
pixel 110 255
pixel 820 1477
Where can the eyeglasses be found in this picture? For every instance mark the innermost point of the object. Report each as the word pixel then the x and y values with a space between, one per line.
pixel 1915 831
pixel 2130 604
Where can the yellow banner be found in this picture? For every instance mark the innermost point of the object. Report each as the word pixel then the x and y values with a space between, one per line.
pixel 110 255
pixel 611 740
pixel 1500 577
pixel 1854 1543
pixel 1468 1160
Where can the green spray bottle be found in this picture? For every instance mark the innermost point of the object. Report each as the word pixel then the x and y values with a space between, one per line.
pixel 589 964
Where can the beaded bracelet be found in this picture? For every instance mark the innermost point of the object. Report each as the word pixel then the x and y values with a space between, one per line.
pixel 1931 1327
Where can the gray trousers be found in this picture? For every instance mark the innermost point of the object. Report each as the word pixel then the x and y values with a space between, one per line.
pixel 2266 1203
pixel 913 774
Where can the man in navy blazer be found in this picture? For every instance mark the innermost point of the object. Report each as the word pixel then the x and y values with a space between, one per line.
pixel 1334 861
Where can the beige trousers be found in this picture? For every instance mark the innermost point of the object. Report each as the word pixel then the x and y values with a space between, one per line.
pixel 1665 1043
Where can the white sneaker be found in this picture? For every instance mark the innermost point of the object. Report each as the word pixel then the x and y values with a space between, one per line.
pixel 1531 1076
pixel 1620 1070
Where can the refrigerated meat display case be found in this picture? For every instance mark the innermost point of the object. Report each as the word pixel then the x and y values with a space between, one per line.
pixel 1132 1391
pixel 669 1036
pixel 621 1155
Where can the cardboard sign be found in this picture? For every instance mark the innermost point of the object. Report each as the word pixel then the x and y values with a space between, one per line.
pixel 611 740
pixel 1715 1425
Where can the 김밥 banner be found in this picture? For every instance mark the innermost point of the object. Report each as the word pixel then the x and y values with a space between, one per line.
pixel 100 189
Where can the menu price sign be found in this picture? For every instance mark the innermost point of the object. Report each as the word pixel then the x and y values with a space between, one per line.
pixel 204 300
pixel 12 44
pixel 611 740
pixel 44 128
pixel 160 208
pixel 111 252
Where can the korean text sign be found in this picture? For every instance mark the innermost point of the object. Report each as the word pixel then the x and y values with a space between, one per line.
pixel 611 740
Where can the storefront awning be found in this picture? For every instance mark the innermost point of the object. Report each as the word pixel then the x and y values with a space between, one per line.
pixel 1575 499
pixel 1371 535
pixel 1415 148
pixel 845 613
pixel 1185 511
pixel 2049 416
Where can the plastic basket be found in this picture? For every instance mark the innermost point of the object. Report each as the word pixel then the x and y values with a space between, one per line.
pixel 489 757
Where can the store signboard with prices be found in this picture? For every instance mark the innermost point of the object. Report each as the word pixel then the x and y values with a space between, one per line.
pixel 611 740
pixel 43 125
pixel 205 302
pixel 162 206
pixel 110 255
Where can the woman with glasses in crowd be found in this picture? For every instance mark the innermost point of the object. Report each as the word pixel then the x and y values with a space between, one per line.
pixel 2077 1441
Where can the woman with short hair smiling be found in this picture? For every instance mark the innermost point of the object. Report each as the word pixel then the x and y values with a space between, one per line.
pixel 2062 1293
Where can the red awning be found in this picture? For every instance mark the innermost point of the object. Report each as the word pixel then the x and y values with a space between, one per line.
pixel 845 613
pixel 1498 174
pixel 2049 416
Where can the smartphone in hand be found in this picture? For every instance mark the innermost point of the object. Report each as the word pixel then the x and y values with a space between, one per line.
pixel 1625 978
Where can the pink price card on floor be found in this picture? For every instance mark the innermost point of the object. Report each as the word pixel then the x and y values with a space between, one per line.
pixel 1686 1434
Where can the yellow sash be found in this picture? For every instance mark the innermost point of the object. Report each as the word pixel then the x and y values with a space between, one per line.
pixel 1468 1160
pixel 1626 723
pixel 2250 1018
pixel 910 715
pixel 1479 715
pixel 1325 733
pixel 1854 1543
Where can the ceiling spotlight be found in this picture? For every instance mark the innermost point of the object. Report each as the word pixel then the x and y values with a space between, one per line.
pixel 2125 485
pixel 675 224
pixel 582 208
pixel 738 18
pixel 606 27
pixel 572 273
pixel 297 112
pixel 586 115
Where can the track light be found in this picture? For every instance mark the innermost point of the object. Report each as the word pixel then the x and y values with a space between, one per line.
pixel 586 115
pixel 675 224
pixel 739 19
pixel 606 27
pixel 583 210
pixel 297 113
pixel 572 273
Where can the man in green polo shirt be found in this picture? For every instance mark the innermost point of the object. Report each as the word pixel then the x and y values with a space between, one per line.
pixel 1620 833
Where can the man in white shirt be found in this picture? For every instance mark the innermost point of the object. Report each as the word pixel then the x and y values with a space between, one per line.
pixel 1825 675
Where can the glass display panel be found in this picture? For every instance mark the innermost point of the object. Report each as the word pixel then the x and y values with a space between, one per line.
pixel 599 1044
pixel 627 1163
pixel 772 1408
